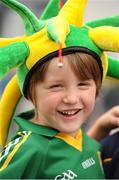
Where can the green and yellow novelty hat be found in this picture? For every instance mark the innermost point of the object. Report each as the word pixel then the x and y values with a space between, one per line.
pixel 58 29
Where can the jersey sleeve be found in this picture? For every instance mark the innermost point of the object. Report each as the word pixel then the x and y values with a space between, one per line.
pixel 12 159
pixel 17 158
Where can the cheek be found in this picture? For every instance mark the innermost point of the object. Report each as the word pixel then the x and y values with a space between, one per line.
pixel 89 99
pixel 51 101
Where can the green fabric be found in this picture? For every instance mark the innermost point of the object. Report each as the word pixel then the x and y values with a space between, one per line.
pixel 35 128
pixel 31 23
pixel 43 156
pixel 110 21
pixel 113 67
pixel 79 37
pixel 51 10
pixel 12 55
pixel 21 73
pixel 51 31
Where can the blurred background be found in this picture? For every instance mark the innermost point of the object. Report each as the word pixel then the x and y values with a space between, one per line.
pixel 11 25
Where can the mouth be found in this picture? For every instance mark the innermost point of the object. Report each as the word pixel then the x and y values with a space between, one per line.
pixel 69 113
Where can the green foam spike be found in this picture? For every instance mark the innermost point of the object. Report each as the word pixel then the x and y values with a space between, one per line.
pixel 31 22
pixel 11 56
pixel 109 21
pixel 51 10
pixel 113 67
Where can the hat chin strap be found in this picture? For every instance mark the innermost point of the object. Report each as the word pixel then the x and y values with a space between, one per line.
pixel 8 102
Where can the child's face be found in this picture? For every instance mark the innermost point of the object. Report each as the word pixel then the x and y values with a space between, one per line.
pixel 63 101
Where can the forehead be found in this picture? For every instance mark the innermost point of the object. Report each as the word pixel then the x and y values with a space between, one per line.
pixel 53 65
pixel 81 65
pixel 55 72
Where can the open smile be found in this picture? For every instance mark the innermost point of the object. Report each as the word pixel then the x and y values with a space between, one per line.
pixel 69 113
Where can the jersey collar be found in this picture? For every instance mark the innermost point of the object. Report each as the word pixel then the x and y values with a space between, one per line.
pixel 25 125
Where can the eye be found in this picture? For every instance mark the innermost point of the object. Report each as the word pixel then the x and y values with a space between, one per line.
pixel 84 84
pixel 56 87
pixel 81 84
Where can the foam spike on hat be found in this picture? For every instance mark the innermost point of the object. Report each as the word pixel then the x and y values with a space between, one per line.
pixel 74 12
pixel 51 10
pixel 113 67
pixel 40 43
pixel 102 35
pixel 31 22
pixel 108 21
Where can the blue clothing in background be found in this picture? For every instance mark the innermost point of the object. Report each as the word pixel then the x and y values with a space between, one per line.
pixel 110 156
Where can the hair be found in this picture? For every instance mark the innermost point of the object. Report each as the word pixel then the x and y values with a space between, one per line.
pixel 82 64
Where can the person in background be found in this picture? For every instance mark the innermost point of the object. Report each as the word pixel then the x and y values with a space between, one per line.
pixel 110 146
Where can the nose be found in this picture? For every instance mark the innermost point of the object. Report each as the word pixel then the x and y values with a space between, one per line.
pixel 70 98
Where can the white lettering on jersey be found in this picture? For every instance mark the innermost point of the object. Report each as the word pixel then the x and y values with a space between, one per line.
pixel 66 175
pixel 87 163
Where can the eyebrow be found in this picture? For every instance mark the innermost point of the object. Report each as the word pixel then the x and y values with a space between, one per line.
pixel 56 81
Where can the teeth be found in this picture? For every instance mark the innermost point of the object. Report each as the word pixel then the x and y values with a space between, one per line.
pixel 72 112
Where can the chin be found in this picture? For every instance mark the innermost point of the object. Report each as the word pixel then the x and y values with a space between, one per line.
pixel 70 130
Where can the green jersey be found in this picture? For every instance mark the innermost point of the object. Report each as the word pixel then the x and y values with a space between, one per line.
pixel 39 152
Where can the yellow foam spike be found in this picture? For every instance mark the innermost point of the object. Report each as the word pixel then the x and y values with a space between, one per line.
pixel 73 11
pixel 7 41
pixel 106 37
pixel 8 104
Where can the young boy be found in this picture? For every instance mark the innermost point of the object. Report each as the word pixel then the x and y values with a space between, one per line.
pixel 60 68
pixel 63 99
